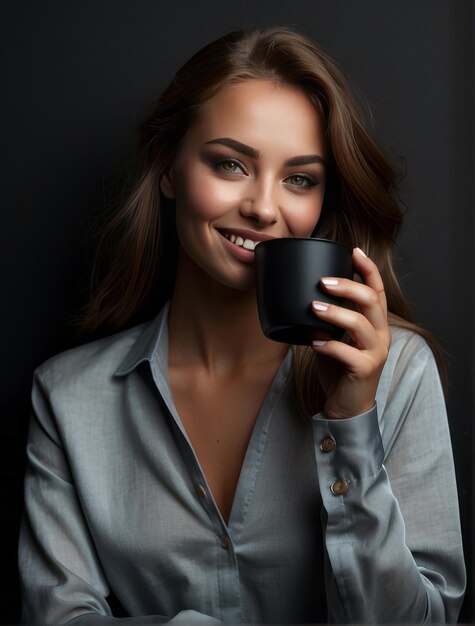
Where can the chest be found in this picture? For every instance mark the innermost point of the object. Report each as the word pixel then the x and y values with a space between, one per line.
pixel 219 418
pixel 167 538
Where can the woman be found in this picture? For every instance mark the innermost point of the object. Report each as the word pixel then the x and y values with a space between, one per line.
pixel 189 469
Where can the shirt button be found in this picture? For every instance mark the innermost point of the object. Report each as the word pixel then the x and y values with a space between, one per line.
pixel 339 487
pixel 200 490
pixel 328 444
pixel 224 542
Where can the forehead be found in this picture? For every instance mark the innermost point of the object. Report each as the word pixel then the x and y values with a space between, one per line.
pixel 261 112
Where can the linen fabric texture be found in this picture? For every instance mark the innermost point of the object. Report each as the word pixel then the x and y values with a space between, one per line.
pixel 117 506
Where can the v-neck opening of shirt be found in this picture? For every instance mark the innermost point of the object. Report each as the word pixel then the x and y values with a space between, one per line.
pixel 255 448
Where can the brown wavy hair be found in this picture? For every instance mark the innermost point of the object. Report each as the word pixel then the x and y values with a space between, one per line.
pixel 360 205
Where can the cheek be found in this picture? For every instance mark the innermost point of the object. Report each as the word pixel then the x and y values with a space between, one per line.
pixel 205 198
pixel 305 215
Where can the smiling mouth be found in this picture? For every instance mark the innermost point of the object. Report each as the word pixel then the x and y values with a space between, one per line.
pixel 247 244
pixel 245 239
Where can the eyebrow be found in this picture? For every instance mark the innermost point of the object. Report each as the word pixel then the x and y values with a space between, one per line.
pixel 238 146
pixel 248 151
pixel 305 160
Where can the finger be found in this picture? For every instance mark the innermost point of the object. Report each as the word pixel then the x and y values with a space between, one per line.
pixel 360 364
pixel 369 272
pixel 366 298
pixel 361 331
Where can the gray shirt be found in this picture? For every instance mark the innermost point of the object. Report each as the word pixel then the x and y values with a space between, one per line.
pixel 350 520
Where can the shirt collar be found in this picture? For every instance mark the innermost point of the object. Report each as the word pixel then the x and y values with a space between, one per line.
pixel 153 336
pixel 152 346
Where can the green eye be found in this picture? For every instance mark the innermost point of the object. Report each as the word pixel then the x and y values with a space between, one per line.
pixel 297 180
pixel 301 180
pixel 230 166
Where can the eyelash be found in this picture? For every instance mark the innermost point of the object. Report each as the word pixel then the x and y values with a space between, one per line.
pixel 219 165
pixel 309 180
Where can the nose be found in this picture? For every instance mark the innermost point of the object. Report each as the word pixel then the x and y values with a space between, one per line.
pixel 260 203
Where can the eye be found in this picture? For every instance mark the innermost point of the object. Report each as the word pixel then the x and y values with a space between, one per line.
pixel 230 166
pixel 301 181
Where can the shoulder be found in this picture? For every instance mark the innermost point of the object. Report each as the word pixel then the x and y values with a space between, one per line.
pixel 406 345
pixel 410 358
pixel 95 361
pixel 409 385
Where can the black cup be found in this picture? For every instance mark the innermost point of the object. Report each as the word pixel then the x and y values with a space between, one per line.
pixel 288 272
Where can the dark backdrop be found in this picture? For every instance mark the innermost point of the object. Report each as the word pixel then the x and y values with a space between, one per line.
pixel 77 78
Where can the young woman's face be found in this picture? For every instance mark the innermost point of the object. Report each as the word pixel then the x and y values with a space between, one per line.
pixel 251 168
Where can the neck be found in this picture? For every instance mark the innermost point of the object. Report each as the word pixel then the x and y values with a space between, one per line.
pixel 215 326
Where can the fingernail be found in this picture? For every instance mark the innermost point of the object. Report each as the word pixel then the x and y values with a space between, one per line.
pixel 318 343
pixel 329 281
pixel 319 306
pixel 361 252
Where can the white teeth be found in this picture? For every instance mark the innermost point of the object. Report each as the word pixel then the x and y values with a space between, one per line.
pixel 248 244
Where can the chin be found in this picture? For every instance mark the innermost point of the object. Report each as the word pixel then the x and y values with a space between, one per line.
pixel 239 281
pixel 239 284
pixel 201 272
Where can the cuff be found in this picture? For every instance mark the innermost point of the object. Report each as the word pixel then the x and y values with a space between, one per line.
pixel 347 449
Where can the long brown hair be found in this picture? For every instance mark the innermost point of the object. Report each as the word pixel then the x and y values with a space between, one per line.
pixel 360 206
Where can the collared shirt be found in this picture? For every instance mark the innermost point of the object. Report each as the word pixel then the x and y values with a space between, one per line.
pixel 351 520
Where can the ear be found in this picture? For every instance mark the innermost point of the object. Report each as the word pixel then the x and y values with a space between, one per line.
pixel 167 186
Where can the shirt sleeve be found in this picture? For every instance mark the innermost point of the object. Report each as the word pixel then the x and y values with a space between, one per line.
pixel 391 518
pixel 61 575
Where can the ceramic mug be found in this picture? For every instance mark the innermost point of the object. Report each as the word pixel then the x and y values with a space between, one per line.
pixel 288 273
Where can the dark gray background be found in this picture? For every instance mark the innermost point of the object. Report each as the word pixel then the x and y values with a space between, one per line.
pixel 78 77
